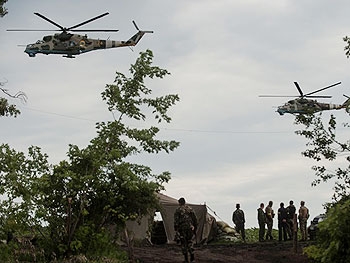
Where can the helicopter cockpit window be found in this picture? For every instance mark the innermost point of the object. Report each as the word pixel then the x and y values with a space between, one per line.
pixel 47 38
pixel 291 102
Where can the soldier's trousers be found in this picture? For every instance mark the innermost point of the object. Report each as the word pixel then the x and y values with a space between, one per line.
pixel 302 223
pixel 261 231
pixel 269 230
pixel 186 238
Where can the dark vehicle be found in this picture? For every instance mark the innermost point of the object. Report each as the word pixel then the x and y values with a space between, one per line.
pixel 313 228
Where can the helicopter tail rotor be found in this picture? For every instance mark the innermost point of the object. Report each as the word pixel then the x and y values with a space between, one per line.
pixel 346 104
pixel 137 37
pixel 137 28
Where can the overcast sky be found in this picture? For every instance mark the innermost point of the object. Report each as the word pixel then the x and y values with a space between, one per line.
pixel 235 148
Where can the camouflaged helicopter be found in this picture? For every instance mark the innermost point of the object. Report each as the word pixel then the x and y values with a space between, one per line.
pixel 302 105
pixel 70 45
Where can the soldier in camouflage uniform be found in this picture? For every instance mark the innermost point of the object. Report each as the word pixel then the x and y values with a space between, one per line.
pixel 291 212
pixel 269 220
pixel 303 217
pixel 185 225
pixel 239 220
pixel 262 222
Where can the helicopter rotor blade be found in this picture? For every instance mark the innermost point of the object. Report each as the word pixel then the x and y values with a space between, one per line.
pixel 50 21
pixel 277 96
pixel 88 21
pixel 286 96
pixel 308 95
pixel 94 30
pixel 299 89
pixel 33 30
pixel 319 96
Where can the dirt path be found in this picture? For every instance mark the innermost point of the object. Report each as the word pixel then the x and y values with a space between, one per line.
pixel 271 252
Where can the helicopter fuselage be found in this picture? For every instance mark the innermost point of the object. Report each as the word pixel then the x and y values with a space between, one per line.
pixel 306 106
pixel 70 44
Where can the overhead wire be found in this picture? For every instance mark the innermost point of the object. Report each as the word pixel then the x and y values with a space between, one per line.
pixel 163 128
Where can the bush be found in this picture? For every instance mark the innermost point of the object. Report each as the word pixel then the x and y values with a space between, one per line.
pixel 333 240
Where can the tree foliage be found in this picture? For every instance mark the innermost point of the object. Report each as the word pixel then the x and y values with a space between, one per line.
pixel 323 145
pixel 7 109
pixel 74 202
pixel 3 10
pixel 347 47
pixel 333 243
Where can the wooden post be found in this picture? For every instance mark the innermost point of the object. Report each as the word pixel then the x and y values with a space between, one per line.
pixel 295 234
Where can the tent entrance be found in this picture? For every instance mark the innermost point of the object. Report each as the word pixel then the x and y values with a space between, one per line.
pixel 158 234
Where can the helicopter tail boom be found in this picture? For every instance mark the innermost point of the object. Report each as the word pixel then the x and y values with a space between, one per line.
pixel 130 42
pixel 346 104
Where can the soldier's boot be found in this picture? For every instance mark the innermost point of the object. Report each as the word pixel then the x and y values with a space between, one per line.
pixel 192 257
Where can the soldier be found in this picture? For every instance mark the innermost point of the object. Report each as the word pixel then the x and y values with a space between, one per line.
pixel 185 224
pixel 303 217
pixel 239 220
pixel 262 222
pixel 291 212
pixel 282 222
pixel 270 214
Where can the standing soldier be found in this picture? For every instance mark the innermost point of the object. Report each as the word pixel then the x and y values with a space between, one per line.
pixel 282 222
pixel 303 217
pixel 261 221
pixel 291 212
pixel 185 224
pixel 270 214
pixel 239 220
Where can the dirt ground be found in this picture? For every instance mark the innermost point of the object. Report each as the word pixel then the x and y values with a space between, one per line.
pixel 269 252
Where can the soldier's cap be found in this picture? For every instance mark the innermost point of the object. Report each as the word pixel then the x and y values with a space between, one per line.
pixel 181 201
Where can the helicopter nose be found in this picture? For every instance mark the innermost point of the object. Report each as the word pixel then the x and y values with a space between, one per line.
pixel 280 111
pixel 30 53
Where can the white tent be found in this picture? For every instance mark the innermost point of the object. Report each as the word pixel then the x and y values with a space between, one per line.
pixel 206 230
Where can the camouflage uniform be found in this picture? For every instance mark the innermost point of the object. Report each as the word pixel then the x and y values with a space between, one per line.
pixel 303 217
pixel 185 224
pixel 291 211
pixel 282 222
pixel 239 220
pixel 270 214
pixel 261 221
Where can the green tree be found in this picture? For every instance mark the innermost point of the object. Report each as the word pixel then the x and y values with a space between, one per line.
pixel 347 47
pixel 7 109
pixel 98 185
pixel 18 189
pixel 325 147
pixel 333 243
pixel 3 10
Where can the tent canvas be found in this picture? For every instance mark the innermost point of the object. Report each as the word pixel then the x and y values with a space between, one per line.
pixel 206 222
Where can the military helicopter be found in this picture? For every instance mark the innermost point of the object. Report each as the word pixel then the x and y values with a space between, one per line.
pixel 70 45
pixel 302 105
